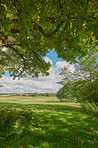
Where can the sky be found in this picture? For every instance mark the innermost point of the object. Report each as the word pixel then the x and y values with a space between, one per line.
pixel 41 84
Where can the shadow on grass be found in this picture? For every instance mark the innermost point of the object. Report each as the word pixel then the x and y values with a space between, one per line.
pixel 45 126
pixel 61 101
pixel 42 106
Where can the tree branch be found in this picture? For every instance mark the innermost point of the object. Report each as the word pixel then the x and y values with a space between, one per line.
pixel 38 27
pixel 35 54
pixel 10 44
pixel 60 4
pixel 15 50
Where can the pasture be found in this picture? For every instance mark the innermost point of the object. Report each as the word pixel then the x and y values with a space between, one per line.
pixel 44 122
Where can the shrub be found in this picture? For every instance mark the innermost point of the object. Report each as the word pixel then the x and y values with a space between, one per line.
pixel 90 108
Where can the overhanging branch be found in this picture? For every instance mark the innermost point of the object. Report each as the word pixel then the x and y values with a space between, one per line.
pixel 16 51
pixel 60 4
pixel 37 56
pixel 10 44
pixel 39 28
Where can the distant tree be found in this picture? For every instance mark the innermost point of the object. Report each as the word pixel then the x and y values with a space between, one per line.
pixel 35 94
pixel 47 94
pixel 65 93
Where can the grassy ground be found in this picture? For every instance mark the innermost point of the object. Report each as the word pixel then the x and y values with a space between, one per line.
pixel 44 122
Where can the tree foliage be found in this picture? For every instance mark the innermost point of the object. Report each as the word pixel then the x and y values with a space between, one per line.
pixel 65 93
pixel 81 91
pixel 29 28
pixel 83 81
pixel 86 91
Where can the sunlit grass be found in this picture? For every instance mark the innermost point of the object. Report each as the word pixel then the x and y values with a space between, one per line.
pixel 46 125
pixel 36 100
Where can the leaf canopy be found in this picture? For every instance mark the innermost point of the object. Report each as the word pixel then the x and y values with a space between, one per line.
pixel 29 28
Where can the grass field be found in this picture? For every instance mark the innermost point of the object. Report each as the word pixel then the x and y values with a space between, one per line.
pixel 44 122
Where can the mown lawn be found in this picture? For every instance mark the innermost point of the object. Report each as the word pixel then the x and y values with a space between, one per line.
pixel 45 124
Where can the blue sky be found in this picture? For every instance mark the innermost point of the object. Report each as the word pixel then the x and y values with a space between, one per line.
pixel 40 84
pixel 53 56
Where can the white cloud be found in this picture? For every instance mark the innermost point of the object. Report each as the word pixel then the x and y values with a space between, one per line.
pixel 44 84
pixel 48 60
pixel 63 64
pixel 40 84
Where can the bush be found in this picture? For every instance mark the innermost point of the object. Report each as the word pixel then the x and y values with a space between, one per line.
pixel 7 118
pixel 86 91
pixel 90 108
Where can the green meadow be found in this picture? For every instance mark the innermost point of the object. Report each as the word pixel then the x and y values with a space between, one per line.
pixel 45 122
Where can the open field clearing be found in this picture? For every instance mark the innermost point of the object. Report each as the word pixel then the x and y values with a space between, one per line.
pixel 26 98
pixel 44 122
pixel 36 100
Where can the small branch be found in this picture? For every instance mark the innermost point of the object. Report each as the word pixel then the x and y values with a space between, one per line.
pixel 14 3
pixel 15 50
pixel 38 27
pixel 3 37
pixel 34 54
pixel 60 4
pixel 11 44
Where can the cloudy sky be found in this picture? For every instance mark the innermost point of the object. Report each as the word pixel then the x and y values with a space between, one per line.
pixel 42 84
